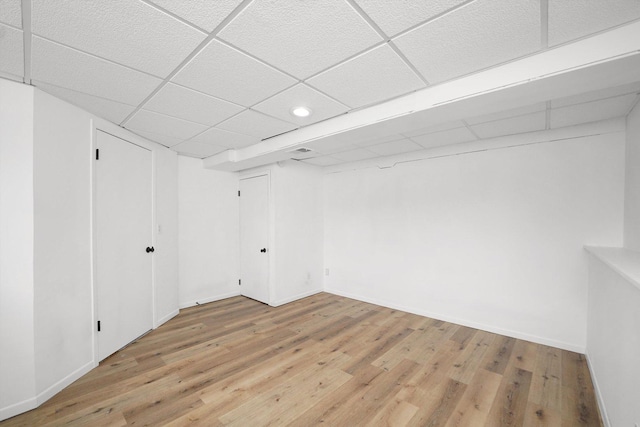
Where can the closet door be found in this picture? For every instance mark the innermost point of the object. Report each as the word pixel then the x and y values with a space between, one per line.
pixel 123 214
pixel 254 238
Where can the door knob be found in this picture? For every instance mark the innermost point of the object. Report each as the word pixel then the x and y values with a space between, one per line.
pixel 263 250
pixel 150 249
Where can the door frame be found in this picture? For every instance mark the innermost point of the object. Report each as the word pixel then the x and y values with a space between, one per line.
pixel 271 239
pixel 102 126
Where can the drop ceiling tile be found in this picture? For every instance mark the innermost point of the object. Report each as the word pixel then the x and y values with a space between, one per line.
pixel 447 137
pixel 395 16
pixel 300 37
pixel 11 51
pixel 479 35
pixel 227 73
pixel 131 33
pixel 592 111
pixel 569 20
pixel 165 140
pixel 323 161
pixel 11 12
pixel 355 155
pixel 434 129
pixel 356 84
pixel 148 121
pixel 595 95
pixel 256 124
pixel 506 114
pixel 224 138
pixel 512 125
pixel 330 145
pixel 395 147
pixel 64 67
pixel 105 108
pixel 184 103
pixel 206 14
pixel 197 149
pixel 280 105
pixel 378 140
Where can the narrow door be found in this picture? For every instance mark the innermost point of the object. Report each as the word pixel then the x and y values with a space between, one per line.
pixel 254 237
pixel 123 206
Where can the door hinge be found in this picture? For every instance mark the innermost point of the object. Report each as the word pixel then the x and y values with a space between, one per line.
pixel 238 193
pixel 97 154
pixel 239 281
pixel 98 326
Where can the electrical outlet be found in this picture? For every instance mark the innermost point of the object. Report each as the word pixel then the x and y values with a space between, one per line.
pixel 326 273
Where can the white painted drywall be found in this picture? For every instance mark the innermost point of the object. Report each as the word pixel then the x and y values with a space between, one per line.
pixel 632 182
pixel 62 245
pixel 298 238
pixel 491 239
pixel 613 344
pixel 208 233
pixel 17 366
pixel 165 260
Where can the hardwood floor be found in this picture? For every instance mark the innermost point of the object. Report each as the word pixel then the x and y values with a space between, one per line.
pixel 324 360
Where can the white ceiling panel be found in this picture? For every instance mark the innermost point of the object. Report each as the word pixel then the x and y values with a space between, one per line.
pixel 227 73
pixel 300 37
pixel 569 20
pixel 105 108
pixel 323 161
pixel 395 147
pixel 148 121
pixel 64 67
pixel 396 16
pixel 224 138
pixel 479 35
pixel 11 51
pixel 330 146
pixel 280 105
pixel 380 68
pixel 506 114
pixel 11 12
pixel 256 124
pixel 447 137
pixel 435 128
pixel 592 111
pixel 184 103
pixel 197 149
pixel 355 155
pixel 599 94
pixel 512 125
pixel 131 33
pixel 206 14
pixel 166 140
pixel 378 140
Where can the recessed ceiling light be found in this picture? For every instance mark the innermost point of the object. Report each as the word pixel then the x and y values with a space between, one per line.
pixel 301 111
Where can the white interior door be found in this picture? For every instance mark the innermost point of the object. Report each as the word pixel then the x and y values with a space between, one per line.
pixel 123 205
pixel 254 238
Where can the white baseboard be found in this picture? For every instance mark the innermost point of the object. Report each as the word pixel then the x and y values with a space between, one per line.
pixel 594 379
pixel 17 408
pixel 166 318
pixel 296 297
pixel 463 322
pixel 209 299
pixel 57 387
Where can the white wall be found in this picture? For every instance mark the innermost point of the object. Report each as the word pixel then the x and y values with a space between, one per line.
pixel 491 239
pixel 632 182
pixel 297 192
pixel 62 252
pixel 17 366
pixel 614 343
pixel 208 233
pixel 166 277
